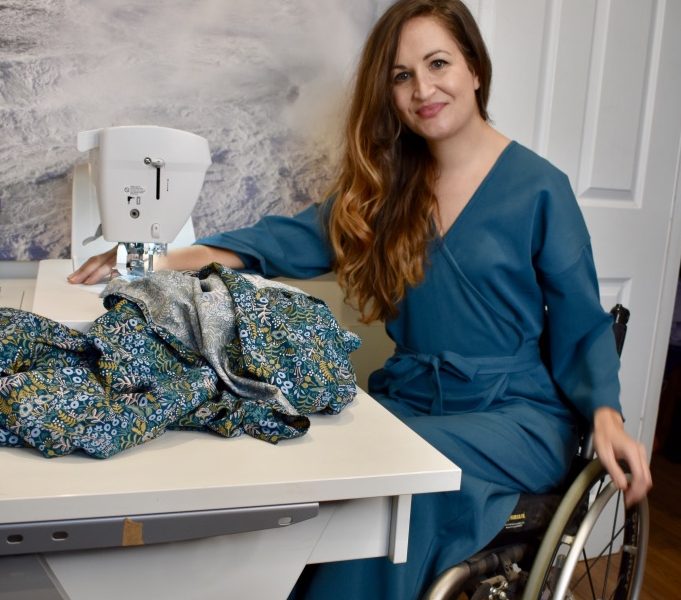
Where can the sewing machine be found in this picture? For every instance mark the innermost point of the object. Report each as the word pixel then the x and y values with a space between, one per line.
pixel 190 514
pixel 139 186
pixel 137 189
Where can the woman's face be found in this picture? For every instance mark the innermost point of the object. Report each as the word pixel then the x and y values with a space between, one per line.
pixel 433 88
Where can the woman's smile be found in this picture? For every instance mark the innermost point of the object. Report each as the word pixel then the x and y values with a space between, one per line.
pixel 428 111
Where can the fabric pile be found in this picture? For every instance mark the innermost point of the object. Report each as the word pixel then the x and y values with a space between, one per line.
pixel 216 350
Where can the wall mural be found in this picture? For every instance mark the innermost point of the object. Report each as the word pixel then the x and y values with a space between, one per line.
pixel 264 82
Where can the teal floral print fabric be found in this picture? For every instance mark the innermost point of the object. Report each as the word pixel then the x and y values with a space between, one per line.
pixel 217 351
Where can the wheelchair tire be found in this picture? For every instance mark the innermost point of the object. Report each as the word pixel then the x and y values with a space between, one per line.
pixel 556 574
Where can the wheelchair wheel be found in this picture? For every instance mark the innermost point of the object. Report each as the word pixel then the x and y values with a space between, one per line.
pixel 568 566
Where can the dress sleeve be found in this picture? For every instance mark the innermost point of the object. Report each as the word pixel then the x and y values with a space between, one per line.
pixel 582 358
pixel 275 246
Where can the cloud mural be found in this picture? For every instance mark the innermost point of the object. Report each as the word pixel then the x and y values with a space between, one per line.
pixel 265 83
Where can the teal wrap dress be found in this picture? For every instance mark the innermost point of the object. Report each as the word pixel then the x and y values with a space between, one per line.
pixel 467 374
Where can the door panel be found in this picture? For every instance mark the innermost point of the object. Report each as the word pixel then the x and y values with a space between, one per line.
pixel 594 86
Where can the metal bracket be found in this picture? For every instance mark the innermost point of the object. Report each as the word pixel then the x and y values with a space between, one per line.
pixel 140 530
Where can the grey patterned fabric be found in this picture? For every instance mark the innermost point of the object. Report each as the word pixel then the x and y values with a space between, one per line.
pixel 200 313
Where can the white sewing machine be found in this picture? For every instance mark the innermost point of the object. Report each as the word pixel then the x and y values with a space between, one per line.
pixel 138 190
pixel 238 518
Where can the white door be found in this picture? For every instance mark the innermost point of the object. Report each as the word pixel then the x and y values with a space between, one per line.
pixel 595 86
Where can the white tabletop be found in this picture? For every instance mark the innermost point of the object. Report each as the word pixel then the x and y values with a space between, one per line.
pixel 363 452
pixel 73 305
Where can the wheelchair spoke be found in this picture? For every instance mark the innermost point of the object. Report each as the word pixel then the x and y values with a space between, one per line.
pixel 601 483
pixel 602 554
pixel 588 574
pixel 612 539
pixel 609 545
pixel 590 564
pixel 620 579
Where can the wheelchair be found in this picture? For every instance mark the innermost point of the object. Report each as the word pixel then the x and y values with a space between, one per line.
pixel 544 551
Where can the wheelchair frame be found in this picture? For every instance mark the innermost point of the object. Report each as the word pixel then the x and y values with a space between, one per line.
pixel 562 531
pixel 541 564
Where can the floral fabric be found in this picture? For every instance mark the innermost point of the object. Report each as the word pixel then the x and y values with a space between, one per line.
pixel 216 351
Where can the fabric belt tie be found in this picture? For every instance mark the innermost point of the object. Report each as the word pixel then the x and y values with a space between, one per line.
pixel 406 365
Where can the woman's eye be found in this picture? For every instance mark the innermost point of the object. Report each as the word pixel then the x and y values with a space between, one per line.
pixel 400 77
pixel 438 63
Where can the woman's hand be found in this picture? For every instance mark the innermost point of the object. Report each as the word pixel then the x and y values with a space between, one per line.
pixel 98 268
pixel 95 269
pixel 613 443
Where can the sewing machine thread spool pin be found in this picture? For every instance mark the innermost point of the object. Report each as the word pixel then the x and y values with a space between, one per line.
pixel 158 164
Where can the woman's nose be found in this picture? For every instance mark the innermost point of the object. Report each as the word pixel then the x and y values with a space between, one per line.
pixel 423 87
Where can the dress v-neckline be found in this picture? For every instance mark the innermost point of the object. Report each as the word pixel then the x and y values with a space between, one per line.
pixel 478 191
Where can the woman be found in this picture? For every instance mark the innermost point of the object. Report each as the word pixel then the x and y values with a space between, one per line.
pixel 469 247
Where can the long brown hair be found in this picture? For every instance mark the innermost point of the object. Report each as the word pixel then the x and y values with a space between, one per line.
pixel 381 221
